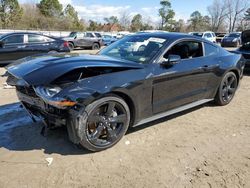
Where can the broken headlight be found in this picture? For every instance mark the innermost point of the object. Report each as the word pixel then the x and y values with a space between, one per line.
pixel 47 92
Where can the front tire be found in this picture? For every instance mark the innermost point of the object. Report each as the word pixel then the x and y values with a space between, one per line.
pixel 103 123
pixel 95 46
pixel 226 89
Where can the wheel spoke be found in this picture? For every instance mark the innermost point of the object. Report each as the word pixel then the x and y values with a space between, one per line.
pixel 94 136
pixel 111 135
pixel 95 118
pixel 119 119
pixel 231 90
pixel 231 81
pixel 111 106
pixel 226 95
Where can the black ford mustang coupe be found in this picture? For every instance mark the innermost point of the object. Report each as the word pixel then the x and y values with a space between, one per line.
pixel 137 79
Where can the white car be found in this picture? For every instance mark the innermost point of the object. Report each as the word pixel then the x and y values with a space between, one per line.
pixel 209 35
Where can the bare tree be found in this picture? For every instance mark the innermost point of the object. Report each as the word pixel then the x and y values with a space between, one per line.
pixel 217 12
pixel 235 10
pixel 125 20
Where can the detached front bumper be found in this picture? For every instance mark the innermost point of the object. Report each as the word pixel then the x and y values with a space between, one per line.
pixel 38 108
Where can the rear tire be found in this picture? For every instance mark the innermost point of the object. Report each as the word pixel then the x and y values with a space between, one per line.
pixel 227 89
pixel 71 46
pixel 103 123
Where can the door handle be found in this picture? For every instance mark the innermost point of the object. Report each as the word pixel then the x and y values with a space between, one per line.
pixel 210 67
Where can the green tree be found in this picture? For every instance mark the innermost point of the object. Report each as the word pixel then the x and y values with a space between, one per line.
pixel 112 20
pixel 196 20
pixel 167 15
pixel 50 8
pixel 71 16
pixel 93 26
pixel 136 23
pixel 10 12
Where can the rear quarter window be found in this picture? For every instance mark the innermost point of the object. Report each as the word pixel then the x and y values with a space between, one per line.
pixel 210 49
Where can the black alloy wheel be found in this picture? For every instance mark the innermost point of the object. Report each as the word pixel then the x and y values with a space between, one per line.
pixel 105 123
pixel 227 89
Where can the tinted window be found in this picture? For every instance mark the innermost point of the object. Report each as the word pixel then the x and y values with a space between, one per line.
pixel 98 35
pixel 210 49
pixel 80 35
pixel 186 50
pixel 89 35
pixel 13 39
pixel 36 38
pixel 235 35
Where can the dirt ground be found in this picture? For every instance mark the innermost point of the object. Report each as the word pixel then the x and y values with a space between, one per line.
pixel 208 146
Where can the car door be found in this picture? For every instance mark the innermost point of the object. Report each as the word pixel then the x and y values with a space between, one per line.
pixel 37 44
pixel 12 48
pixel 184 82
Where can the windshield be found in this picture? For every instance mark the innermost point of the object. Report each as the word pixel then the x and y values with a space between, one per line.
pixel 198 34
pixel 140 49
pixel 98 35
pixel 72 34
pixel 234 35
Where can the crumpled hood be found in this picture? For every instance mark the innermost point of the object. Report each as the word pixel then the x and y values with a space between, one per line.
pixel 42 70
pixel 245 37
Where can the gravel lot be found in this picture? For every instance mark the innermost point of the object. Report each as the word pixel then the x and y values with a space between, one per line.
pixel 207 146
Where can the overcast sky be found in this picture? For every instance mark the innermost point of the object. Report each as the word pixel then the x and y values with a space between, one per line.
pixel 99 9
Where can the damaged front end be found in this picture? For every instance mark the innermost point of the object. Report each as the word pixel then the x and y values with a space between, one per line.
pixel 42 105
pixel 40 101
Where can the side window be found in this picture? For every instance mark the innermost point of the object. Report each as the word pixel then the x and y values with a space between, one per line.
pixel 208 35
pixel 186 50
pixel 210 49
pixel 14 39
pixel 36 39
pixel 98 35
pixel 89 35
pixel 79 35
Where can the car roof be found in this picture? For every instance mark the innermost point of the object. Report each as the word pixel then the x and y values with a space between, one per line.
pixel 23 33
pixel 168 35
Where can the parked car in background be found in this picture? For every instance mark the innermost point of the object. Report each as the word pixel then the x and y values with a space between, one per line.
pixel 245 48
pixel 14 46
pixel 98 97
pixel 93 35
pixel 108 39
pixel 208 35
pixel 219 37
pixel 231 40
pixel 84 40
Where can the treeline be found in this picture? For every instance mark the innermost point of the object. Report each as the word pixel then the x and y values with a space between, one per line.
pixel 222 16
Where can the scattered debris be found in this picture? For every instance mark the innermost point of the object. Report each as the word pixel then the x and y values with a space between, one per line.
pixel 49 160
pixel 7 86
pixel 127 142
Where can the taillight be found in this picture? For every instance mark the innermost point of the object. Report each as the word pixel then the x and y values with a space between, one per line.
pixel 66 44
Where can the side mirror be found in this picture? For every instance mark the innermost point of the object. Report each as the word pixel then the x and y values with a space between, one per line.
pixel 1 44
pixel 172 60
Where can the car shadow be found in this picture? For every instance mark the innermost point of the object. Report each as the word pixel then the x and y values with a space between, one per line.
pixel 19 133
